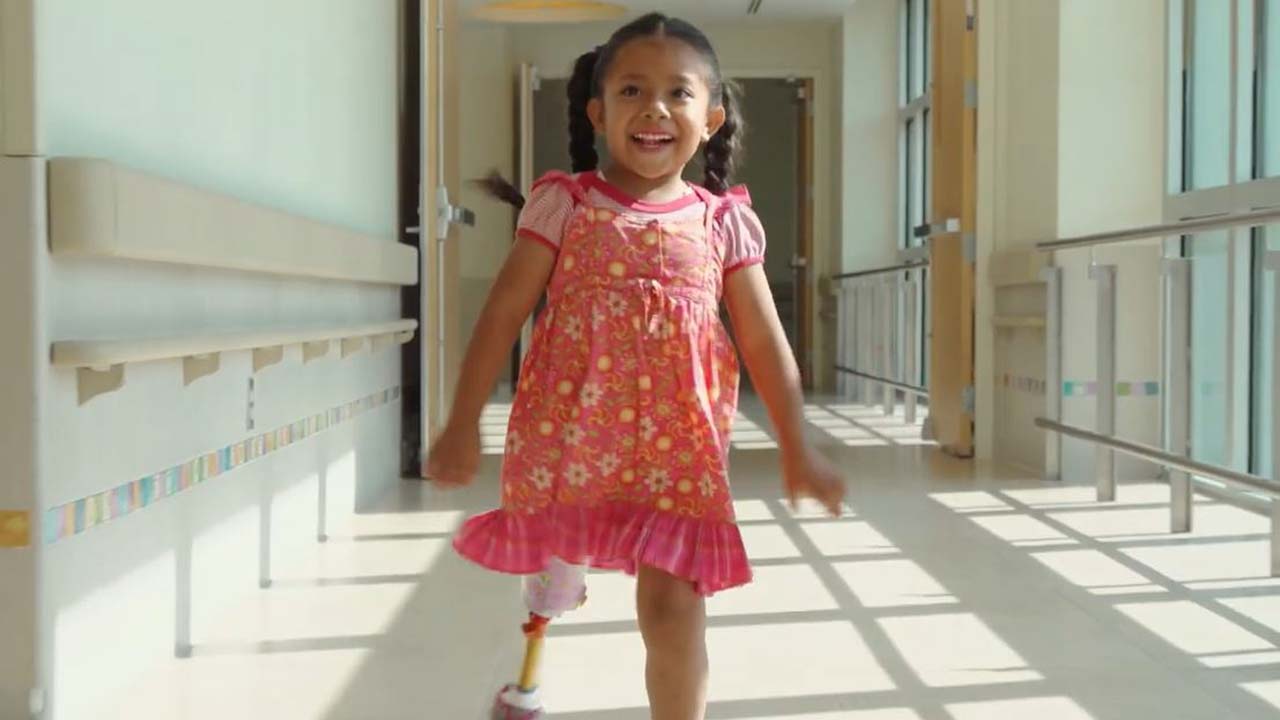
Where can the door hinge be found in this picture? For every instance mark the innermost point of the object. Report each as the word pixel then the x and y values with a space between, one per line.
pixel 969 244
pixel 970 94
pixel 968 399
pixel 970 14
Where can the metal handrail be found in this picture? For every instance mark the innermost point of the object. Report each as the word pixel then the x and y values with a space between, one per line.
pixel 880 271
pixel 922 392
pixel 1250 482
pixel 1182 227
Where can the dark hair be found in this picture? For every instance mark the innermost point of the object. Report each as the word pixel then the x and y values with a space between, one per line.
pixel 721 152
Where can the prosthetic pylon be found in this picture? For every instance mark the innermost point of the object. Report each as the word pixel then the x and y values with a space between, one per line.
pixel 548 595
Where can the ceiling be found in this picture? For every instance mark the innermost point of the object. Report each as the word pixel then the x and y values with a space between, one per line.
pixel 726 9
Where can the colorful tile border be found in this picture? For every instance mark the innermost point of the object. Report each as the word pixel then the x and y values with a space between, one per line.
pixel 1147 388
pixel 76 517
pixel 1077 388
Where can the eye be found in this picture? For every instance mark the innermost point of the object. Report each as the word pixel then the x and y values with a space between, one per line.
pixel 683 93
pixel 630 91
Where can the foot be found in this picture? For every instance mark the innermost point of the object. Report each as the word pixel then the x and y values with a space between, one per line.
pixel 515 704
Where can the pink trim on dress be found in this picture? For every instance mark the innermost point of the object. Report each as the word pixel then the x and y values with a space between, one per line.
pixel 539 238
pixel 594 181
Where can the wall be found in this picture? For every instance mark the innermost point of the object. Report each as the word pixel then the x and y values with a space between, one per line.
pixel 1073 144
pixel 289 105
pixel 1111 145
pixel 869 136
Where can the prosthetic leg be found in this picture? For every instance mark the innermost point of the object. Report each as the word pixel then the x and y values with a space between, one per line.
pixel 548 595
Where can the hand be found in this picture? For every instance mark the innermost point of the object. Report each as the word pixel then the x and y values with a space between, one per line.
pixel 808 474
pixel 454 459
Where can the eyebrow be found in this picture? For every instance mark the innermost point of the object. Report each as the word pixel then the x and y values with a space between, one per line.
pixel 674 78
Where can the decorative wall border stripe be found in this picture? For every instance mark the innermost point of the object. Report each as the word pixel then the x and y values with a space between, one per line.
pixel 1145 388
pixel 76 517
pixel 1079 388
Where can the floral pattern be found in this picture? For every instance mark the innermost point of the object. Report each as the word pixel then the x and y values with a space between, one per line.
pixel 617 452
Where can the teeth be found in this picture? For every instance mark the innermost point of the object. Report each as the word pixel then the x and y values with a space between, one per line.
pixel 651 137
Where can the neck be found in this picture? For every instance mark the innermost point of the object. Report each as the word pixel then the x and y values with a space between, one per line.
pixel 654 190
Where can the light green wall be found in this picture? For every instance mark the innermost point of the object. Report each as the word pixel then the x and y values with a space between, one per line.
pixel 290 103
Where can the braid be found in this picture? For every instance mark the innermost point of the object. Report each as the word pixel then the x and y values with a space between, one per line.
pixel 724 148
pixel 501 189
pixel 582 136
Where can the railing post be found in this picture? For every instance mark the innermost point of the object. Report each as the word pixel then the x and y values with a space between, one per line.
pixel 1052 277
pixel 842 338
pixel 867 364
pixel 1177 336
pixel 1105 468
pixel 889 335
pixel 1273 265
pixel 860 341
pixel 909 348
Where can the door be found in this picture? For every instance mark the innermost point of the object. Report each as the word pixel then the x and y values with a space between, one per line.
pixel 777 167
pixel 439 292
pixel 951 266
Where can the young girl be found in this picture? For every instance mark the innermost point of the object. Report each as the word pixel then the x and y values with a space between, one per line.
pixel 617 451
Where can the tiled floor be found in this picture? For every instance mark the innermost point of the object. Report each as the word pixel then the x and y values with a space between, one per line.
pixel 946 593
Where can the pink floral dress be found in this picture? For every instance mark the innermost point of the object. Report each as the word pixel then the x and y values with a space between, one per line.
pixel 617 448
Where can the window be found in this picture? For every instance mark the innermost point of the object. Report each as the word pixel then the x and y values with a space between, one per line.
pixel 915 133
pixel 915 142
pixel 1267 114
pixel 1224 158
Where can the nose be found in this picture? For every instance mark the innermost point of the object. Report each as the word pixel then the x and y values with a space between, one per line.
pixel 656 109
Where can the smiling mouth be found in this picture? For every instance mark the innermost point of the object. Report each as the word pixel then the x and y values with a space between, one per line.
pixel 652 141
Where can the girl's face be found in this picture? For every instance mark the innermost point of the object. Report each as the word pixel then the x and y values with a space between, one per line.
pixel 655 107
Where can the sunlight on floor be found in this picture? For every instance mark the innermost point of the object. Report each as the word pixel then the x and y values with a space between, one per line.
pixel 1210 600
pixel 950 650
pixel 1057 708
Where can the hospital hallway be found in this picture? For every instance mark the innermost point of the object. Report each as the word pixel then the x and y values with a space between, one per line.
pixel 944 593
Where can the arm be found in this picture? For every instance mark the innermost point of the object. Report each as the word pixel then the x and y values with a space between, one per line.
pixel 776 377
pixel 454 457
pixel 768 357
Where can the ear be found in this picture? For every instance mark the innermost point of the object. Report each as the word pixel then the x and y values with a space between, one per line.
pixel 715 120
pixel 595 113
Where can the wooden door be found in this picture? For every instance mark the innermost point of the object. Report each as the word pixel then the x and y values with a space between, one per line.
pixel 951 273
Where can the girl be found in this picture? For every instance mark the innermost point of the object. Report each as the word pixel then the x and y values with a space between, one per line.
pixel 617 449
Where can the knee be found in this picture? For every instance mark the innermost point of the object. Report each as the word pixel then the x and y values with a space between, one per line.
pixel 667 607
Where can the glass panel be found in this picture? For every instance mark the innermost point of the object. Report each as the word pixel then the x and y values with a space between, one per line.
pixel 926 177
pixel 915 173
pixel 927 41
pixel 908 51
pixel 1209 319
pixel 1269 90
pixel 1264 311
pixel 916 87
pixel 908 187
pixel 1209 138
pixel 1245 140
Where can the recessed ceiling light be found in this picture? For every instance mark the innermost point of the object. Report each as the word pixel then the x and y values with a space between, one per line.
pixel 549 11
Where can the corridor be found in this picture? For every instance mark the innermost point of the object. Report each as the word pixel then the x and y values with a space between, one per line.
pixel 941 595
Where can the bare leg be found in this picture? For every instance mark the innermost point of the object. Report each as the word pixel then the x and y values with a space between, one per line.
pixel 673 621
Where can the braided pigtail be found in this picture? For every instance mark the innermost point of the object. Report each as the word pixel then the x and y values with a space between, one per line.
pixel 724 149
pixel 582 136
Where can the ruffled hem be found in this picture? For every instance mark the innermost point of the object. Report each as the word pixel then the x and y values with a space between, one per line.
pixel 623 537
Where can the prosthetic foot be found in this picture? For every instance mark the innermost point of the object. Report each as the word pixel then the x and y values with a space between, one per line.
pixel 548 595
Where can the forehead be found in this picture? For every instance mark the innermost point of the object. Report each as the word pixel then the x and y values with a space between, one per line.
pixel 658 58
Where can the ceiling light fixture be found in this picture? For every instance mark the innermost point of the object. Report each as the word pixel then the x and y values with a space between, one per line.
pixel 549 11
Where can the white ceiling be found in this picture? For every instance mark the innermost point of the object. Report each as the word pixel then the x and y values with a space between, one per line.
pixel 726 9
